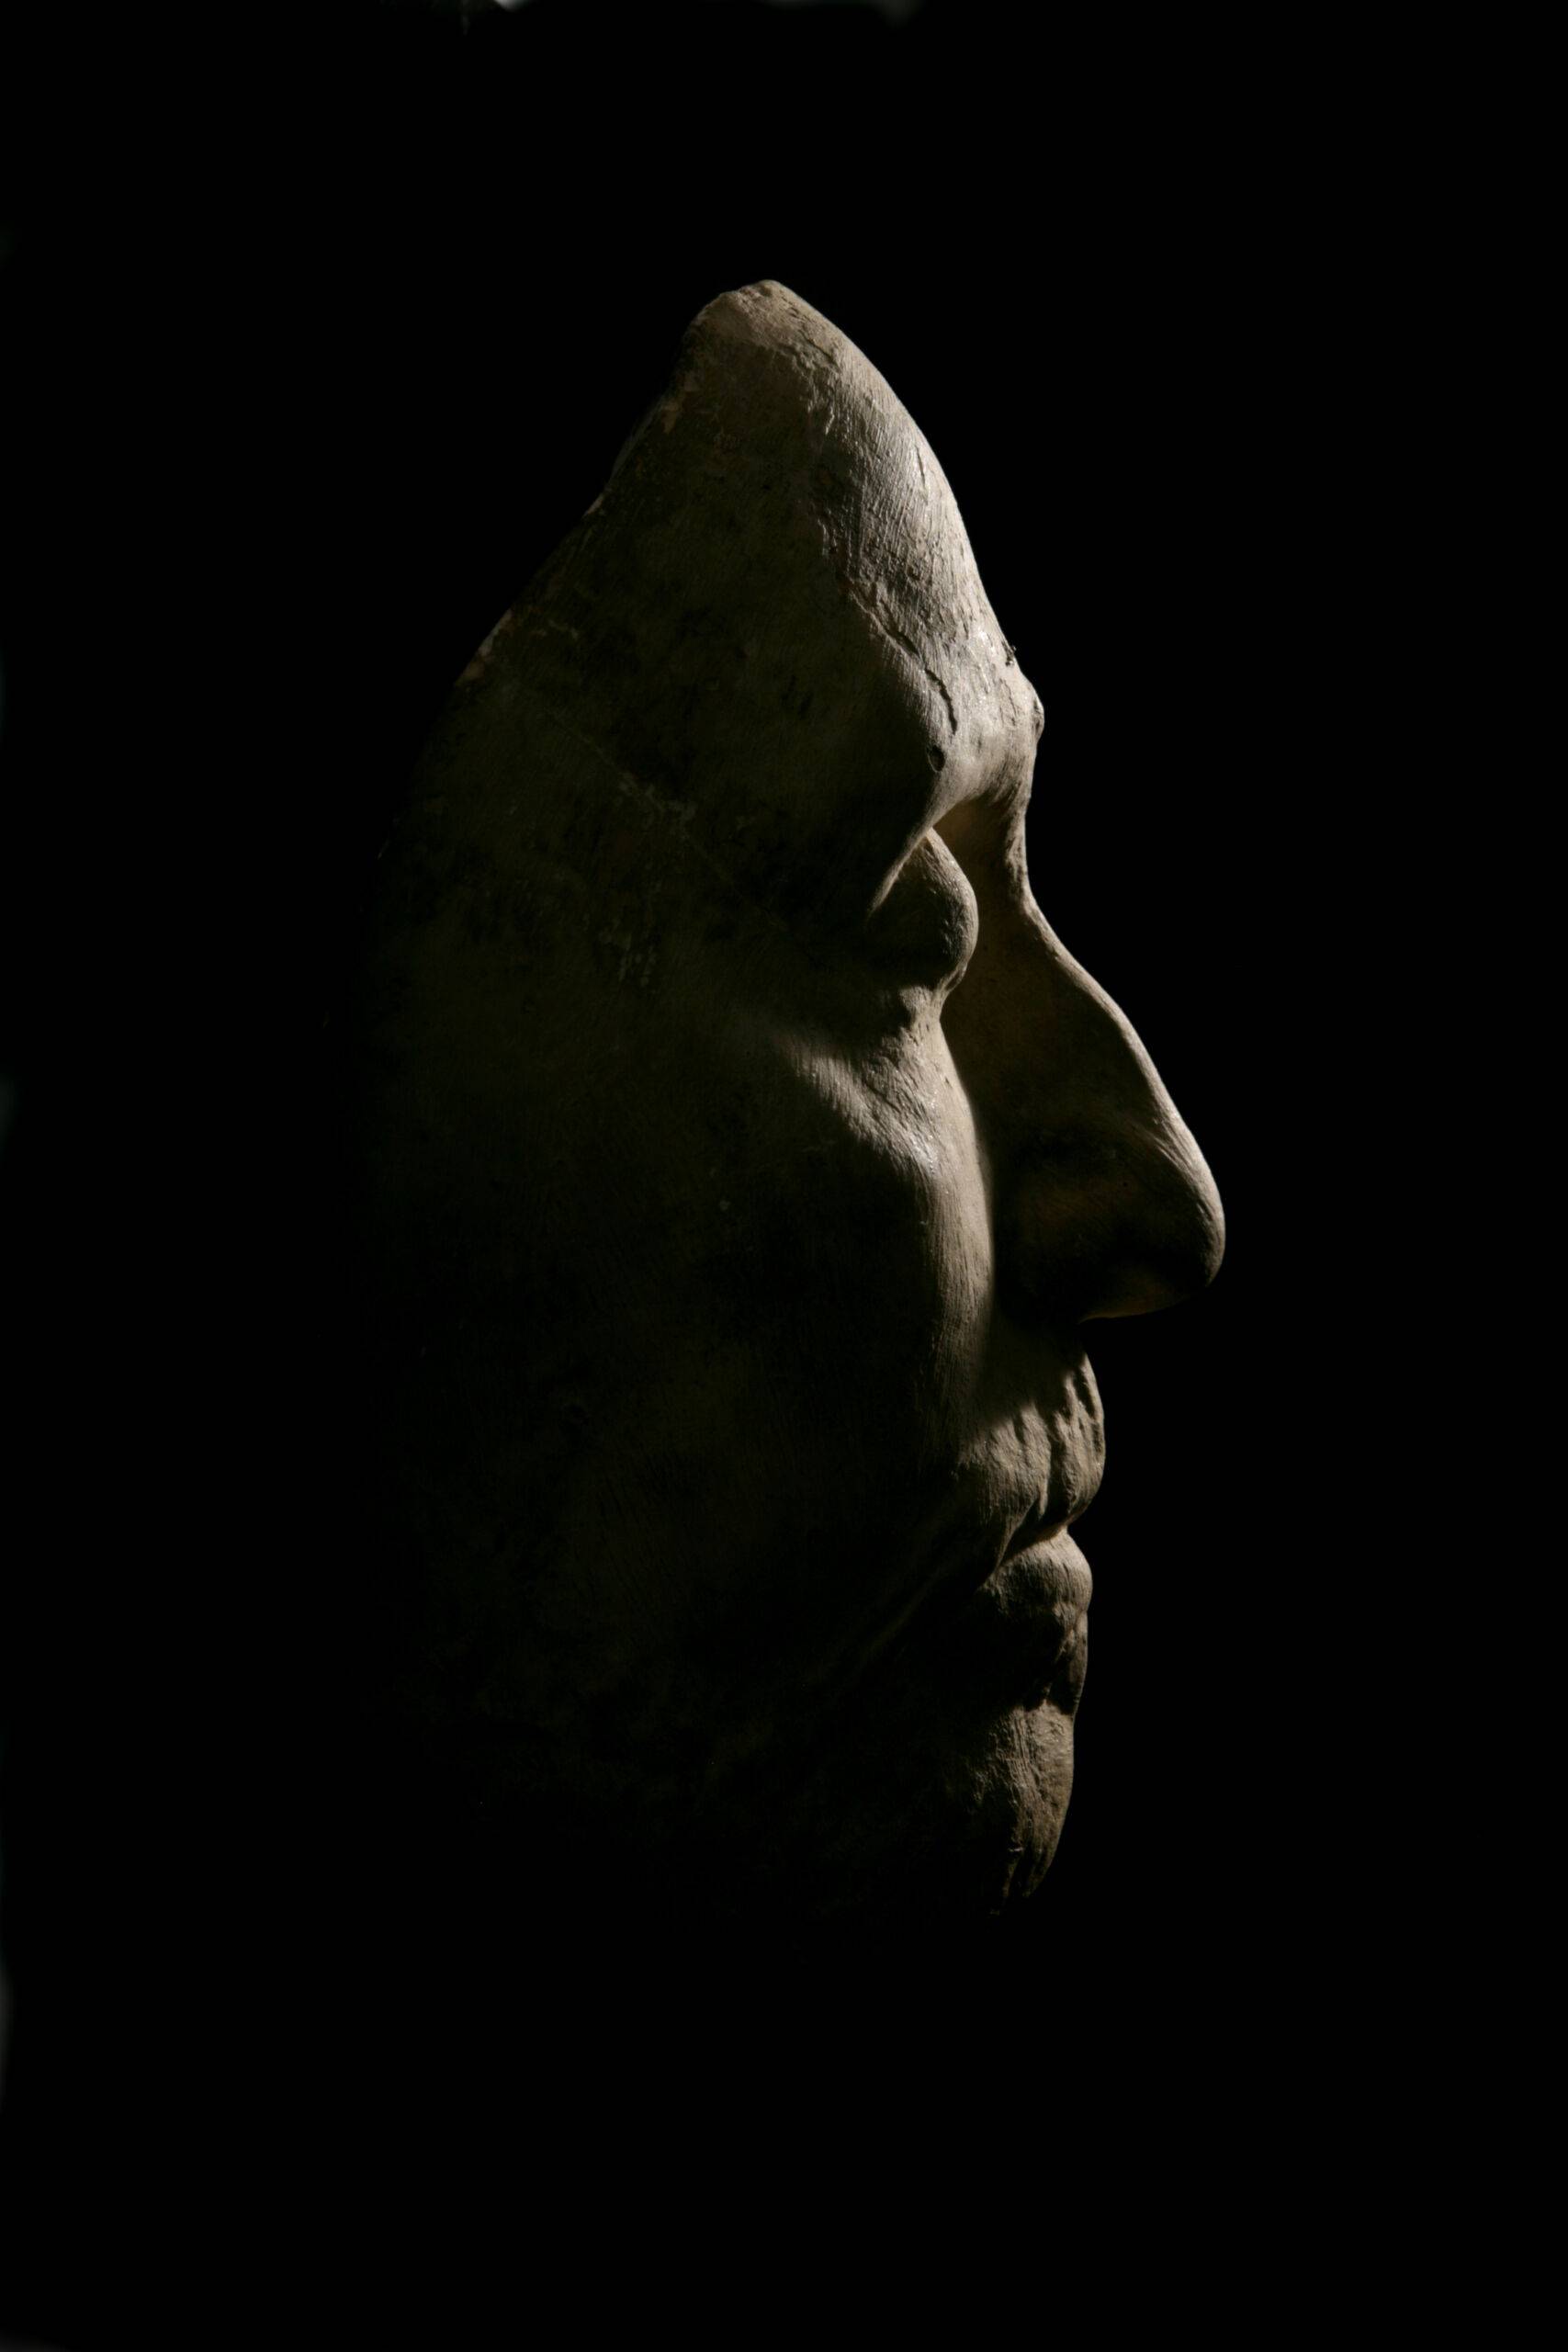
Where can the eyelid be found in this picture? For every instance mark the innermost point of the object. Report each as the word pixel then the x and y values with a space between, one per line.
pixel 925 930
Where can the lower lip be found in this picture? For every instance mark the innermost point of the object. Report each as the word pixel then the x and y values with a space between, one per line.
pixel 1053 1573
pixel 1022 1635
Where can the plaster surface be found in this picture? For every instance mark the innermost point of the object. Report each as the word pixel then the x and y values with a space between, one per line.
pixel 742 1157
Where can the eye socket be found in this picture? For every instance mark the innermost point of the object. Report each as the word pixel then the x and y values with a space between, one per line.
pixel 927 926
pixel 974 832
pixel 987 835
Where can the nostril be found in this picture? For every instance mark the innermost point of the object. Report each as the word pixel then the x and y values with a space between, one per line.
pixel 1160 1279
pixel 1103 1224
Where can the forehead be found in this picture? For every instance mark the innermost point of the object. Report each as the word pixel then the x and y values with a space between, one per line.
pixel 855 549
pixel 772 617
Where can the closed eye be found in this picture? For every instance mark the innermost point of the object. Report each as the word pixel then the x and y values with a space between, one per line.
pixel 927 924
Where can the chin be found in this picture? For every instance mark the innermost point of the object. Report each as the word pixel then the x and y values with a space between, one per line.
pixel 1005 1788
pixel 936 1832
pixel 1035 1776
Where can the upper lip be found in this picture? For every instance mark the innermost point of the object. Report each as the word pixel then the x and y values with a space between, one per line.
pixel 1066 1486
pixel 1056 1507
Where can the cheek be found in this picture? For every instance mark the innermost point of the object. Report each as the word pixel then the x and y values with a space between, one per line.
pixel 816 1343
pixel 903 1214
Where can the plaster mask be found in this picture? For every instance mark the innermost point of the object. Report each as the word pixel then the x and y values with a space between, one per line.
pixel 743 1157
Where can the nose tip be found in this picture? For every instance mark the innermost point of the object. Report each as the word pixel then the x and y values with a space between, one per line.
pixel 1111 1220
pixel 1160 1211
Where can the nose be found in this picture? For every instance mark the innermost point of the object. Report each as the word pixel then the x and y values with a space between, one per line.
pixel 1103 1203
pixel 1109 1207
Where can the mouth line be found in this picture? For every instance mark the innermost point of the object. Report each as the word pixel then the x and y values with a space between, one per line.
pixel 1013 1636
pixel 994 1515
pixel 1035 1527
pixel 972 1564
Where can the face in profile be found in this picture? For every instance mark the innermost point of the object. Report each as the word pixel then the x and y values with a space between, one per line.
pixel 743 1158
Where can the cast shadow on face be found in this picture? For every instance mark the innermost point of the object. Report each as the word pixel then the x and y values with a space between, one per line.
pixel 738 1156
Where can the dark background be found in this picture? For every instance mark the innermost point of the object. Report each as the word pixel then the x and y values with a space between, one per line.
pixel 327 329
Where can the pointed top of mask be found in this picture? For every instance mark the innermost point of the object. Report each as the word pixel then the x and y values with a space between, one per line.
pixel 771 615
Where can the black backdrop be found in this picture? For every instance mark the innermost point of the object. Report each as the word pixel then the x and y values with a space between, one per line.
pixel 328 328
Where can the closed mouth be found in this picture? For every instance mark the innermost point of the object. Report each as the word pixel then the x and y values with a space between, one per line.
pixel 1007 1618
pixel 1004 1610
pixel 1004 1588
